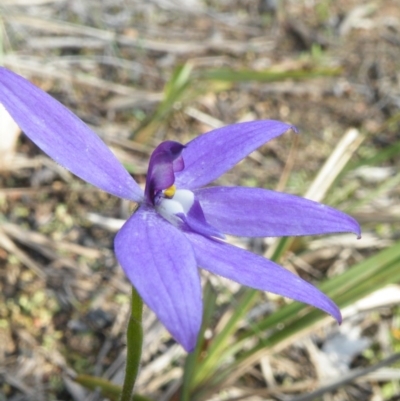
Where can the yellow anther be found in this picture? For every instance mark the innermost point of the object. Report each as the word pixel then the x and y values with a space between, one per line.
pixel 170 192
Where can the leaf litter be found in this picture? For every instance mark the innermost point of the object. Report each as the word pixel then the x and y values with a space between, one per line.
pixel 63 297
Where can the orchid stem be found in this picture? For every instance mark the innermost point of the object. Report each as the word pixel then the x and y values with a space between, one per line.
pixel 134 339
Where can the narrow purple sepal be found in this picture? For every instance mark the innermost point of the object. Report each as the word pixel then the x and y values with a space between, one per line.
pixel 64 137
pixel 159 262
pixel 210 155
pixel 257 272
pixel 256 212
pixel 164 162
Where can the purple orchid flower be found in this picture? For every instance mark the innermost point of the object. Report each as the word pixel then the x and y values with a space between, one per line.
pixel 180 226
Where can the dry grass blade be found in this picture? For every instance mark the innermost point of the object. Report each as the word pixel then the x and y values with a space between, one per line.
pixel 334 165
pixel 9 246
pixel 110 61
pixel 390 215
pixel 9 134
pixel 28 2
pixel 351 376
pixel 173 47
pixel 35 67
pixel 45 245
pixel 240 393
pixel 203 117
pixel 108 223
pixel 266 352
pixel 64 42
pixel 18 383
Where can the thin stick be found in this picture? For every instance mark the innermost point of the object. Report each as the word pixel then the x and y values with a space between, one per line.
pixel 351 376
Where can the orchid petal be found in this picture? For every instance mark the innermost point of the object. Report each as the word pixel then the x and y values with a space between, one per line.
pixel 165 160
pixel 196 222
pixel 210 155
pixel 257 272
pixel 159 261
pixel 64 137
pixel 255 212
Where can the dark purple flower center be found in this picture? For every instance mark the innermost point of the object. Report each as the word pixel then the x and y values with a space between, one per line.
pixel 178 206
pixel 164 162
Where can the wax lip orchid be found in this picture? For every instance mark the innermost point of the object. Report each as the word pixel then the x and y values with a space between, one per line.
pixel 180 224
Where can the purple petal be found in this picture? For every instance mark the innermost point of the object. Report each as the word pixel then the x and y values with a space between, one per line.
pixel 255 212
pixel 257 272
pixel 196 222
pixel 64 137
pixel 165 160
pixel 159 261
pixel 210 155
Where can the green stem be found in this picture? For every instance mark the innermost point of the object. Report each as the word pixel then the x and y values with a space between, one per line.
pixel 134 339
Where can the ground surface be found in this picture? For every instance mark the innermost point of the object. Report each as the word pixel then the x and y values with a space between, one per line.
pixel 64 301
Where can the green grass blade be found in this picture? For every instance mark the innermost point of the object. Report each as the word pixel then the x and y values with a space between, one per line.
pixel 107 389
pixel 192 360
pixel 377 159
pixel 243 75
pixel 384 187
pixel 222 342
pixel 211 362
pixel 358 282
pixel 174 90
pixel 333 287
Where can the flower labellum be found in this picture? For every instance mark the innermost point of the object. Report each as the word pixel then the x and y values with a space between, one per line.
pixel 180 224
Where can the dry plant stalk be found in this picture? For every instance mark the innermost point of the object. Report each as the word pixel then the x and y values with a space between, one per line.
pixel 9 133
